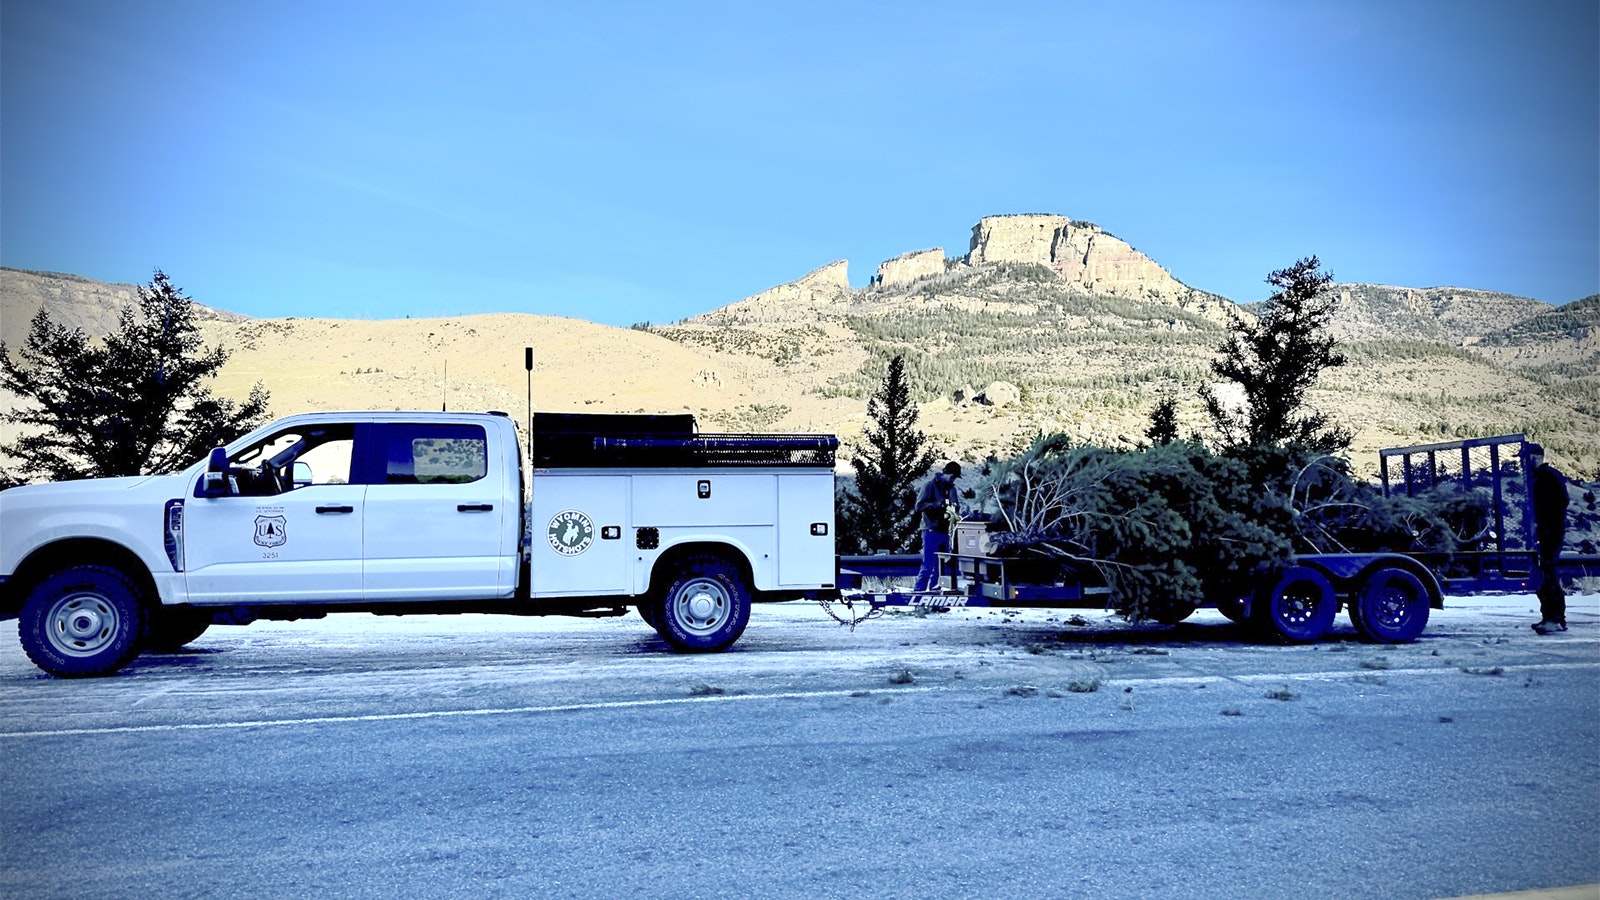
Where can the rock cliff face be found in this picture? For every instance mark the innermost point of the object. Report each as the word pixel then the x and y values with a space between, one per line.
pixel 908 267
pixel 1024 239
pixel 1448 314
pixel 1080 252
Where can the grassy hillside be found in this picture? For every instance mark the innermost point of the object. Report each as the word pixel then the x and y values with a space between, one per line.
pixel 1089 365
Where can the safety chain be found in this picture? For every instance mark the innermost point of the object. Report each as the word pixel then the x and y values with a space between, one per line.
pixel 850 607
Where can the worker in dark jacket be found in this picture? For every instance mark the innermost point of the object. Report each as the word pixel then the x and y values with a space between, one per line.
pixel 938 508
pixel 1550 529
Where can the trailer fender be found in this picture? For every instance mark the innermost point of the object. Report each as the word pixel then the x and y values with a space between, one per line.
pixel 1398 561
pixel 1348 571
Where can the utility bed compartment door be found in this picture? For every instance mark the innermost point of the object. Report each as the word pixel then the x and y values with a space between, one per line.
pixel 582 539
pixel 709 498
pixel 805 530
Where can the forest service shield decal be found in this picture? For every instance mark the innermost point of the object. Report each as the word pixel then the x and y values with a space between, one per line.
pixel 272 531
pixel 570 532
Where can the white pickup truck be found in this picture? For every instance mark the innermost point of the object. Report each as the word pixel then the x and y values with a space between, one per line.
pixel 395 513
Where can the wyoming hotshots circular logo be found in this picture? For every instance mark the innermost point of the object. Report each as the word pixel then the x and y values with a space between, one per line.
pixel 570 532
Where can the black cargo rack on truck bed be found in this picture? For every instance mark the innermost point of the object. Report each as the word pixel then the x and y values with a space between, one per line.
pixel 603 441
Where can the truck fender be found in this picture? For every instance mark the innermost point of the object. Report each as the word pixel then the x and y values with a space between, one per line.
pixel 47 559
pixel 664 568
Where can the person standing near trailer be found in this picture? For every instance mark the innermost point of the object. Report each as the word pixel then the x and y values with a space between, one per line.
pixel 1550 528
pixel 937 506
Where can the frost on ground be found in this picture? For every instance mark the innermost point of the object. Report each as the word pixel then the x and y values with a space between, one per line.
pixel 797 647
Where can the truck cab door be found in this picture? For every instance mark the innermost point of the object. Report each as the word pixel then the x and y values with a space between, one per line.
pixel 442 515
pixel 271 538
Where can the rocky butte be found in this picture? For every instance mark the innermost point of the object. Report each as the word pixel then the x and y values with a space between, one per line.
pixel 1084 257
pixel 1087 258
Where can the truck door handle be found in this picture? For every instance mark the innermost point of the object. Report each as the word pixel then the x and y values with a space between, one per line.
pixel 474 507
pixel 321 510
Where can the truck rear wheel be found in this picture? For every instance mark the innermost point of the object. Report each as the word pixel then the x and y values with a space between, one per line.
pixel 83 622
pixel 1390 607
pixel 1299 608
pixel 705 608
pixel 171 629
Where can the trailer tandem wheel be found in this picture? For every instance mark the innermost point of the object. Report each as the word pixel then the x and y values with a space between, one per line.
pixel 1299 608
pixel 1390 606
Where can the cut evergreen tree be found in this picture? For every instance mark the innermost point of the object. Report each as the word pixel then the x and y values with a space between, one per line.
pixel 1276 359
pixel 880 512
pixel 1166 528
pixel 135 403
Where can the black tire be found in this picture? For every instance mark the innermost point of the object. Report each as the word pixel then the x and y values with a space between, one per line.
pixel 83 622
pixel 706 606
pixel 1390 606
pixel 1299 608
pixel 171 629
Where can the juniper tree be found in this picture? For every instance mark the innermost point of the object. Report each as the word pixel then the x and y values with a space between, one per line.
pixel 1163 428
pixel 135 403
pixel 1276 359
pixel 880 513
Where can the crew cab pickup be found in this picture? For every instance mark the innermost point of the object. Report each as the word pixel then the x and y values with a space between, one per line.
pixel 413 512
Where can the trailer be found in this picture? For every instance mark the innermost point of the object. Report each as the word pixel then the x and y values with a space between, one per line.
pixel 1388 596
pixel 1503 556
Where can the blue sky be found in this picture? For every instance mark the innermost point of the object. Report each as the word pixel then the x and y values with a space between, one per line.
pixel 624 162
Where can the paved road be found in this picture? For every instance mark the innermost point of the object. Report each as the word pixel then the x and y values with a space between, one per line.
pixel 942 755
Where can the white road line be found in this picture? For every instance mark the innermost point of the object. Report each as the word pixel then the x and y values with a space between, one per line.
pixel 447 713
pixel 785 695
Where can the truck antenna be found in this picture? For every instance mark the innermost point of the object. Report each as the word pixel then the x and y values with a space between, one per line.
pixel 527 362
pixel 444 406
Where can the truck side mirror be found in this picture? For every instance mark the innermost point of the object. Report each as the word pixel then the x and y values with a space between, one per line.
pixel 214 483
pixel 302 474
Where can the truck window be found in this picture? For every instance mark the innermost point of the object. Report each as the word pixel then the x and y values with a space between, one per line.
pixel 435 454
pixel 329 461
pixel 269 468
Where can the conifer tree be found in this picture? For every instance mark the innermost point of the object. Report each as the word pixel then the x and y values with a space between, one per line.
pixel 880 514
pixel 1163 428
pixel 135 403
pixel 1276 360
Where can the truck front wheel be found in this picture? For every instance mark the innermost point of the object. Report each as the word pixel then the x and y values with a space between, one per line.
pixel 82 622
pixel 705 608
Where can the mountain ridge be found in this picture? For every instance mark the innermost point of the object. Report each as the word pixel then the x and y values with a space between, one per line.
pixel 805 354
